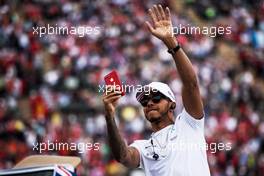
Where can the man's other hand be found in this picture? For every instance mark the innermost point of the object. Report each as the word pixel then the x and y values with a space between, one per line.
pixel 162 25
pixel 110 99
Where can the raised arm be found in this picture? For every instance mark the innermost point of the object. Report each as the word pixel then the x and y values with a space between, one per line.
pixel 129 156
pixel 162 28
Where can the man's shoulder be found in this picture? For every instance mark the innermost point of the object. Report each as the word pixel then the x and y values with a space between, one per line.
pixel 140 141
pixel 140 145
pixel 184 115
pixel 185 122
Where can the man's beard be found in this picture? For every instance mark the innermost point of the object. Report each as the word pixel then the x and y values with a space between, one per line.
pixel 159 119
pixel 155 120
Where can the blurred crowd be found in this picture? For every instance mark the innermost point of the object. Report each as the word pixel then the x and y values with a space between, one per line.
pixel 49 85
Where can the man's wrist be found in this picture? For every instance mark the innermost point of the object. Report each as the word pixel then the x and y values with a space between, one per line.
pixel 109 116
pixel 170 42
pixel 174 50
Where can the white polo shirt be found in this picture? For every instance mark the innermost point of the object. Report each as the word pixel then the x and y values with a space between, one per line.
pixel 180 147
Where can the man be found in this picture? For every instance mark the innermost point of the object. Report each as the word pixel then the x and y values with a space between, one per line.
pixel 176 147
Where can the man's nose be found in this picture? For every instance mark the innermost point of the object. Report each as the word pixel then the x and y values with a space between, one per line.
pixel 150 103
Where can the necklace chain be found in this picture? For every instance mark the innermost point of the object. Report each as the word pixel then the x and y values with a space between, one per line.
pixel 162 147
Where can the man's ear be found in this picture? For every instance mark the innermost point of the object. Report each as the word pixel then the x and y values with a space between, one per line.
pixel 171 110
pixel 173 106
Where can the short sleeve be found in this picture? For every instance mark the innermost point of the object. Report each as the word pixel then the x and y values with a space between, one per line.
pixel 197 124
pixel 138 144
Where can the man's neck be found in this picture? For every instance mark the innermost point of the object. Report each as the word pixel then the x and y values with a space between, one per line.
pixel 156 126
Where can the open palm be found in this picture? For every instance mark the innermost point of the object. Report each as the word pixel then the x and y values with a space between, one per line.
pixel 162 25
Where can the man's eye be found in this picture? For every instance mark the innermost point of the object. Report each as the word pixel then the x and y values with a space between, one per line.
pixel 157 97
pixel 143 101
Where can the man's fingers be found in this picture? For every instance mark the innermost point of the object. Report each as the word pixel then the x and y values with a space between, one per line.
pixel 110 89
pixel 151 29
pixel 168 15
pixel 109 94
pixel 153 17
pixel 162 13
pixel 157 13
pixel 112 99
pixel 107 97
